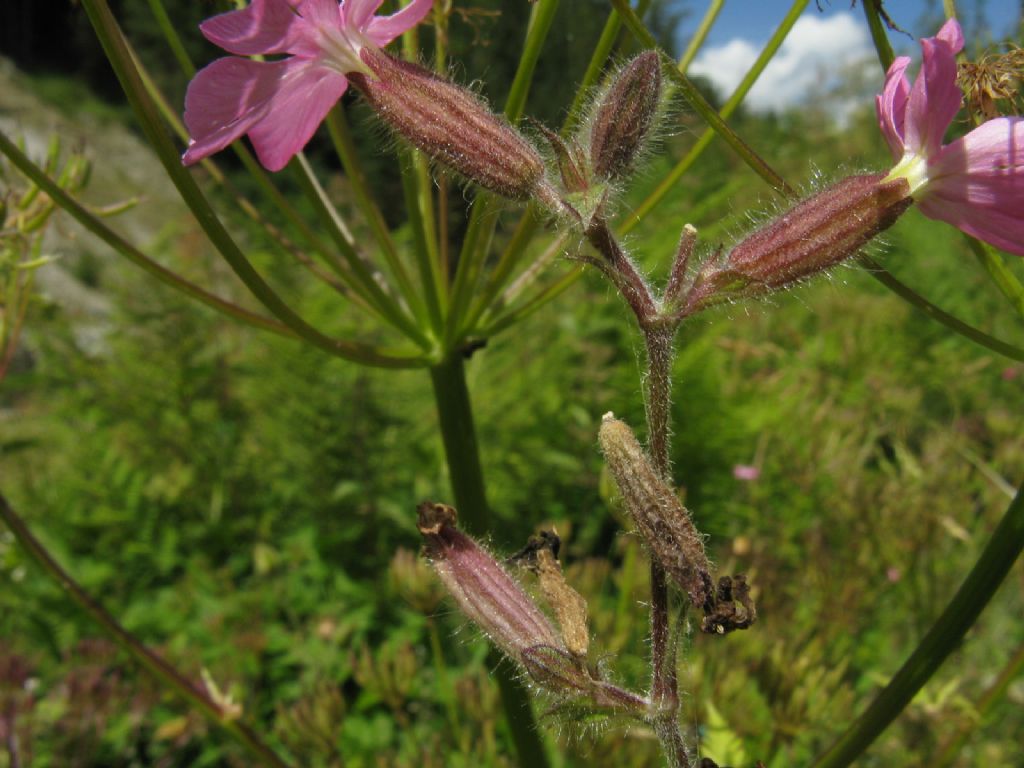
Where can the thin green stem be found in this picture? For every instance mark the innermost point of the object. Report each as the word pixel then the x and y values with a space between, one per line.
pixel 415 187
pixel 94 225
pixel 154 665
pixel 942 639
pixel 513 315
pixel 110 36
pixel 343 283
pixel 872 12
pixel 708 21
pixel 370 279
pixel 1006 281
pixel 172 37
pixel 455 415
pixel 716 124
pixel 277 200
pixel 483 214
pixel 541 17
pixel 947 757
pixel 344 146
pixel 961 328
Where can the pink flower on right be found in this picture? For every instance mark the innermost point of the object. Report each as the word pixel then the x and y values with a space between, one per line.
pixel 975 183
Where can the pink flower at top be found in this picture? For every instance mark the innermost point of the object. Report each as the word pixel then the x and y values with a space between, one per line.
pixel 975 183
pixel 281 103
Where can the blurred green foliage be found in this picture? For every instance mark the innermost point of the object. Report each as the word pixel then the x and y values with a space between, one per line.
pixel 246 505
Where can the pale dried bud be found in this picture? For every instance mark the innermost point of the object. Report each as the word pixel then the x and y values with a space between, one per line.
pixel 811 237
pixel 541 556
pixel 452 125
pixel 662 521
pixel 484 591
pixel 624 116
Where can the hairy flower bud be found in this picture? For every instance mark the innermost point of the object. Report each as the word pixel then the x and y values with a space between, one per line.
pixel 813 236
pixel 661 519
pixel 484 591
pixel 452 125
pixel 624 116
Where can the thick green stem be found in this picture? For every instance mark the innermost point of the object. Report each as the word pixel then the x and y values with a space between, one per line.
pixel 164 673
pixel 945 636
pixel 467 480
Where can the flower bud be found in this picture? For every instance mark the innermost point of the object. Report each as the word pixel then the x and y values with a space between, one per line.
pixel 624 115
pixel 813 236
pixel 450 124
pixel 484 591
pixel 661 519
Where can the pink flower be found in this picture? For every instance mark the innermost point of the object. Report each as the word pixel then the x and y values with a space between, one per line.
pixel 975 183
pixel 281 103
pixel 746 472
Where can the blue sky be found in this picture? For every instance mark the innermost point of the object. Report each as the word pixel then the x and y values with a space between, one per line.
pixel 755 20
pixel 823 46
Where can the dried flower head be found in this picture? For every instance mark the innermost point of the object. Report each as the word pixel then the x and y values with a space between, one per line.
pixel 662 521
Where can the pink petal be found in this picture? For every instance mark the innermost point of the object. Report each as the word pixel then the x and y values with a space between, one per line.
pixel 358 12
pixel 934 97
pixel 891 105
pixel 321 13
pixel 977 184
pixel 952 35
pixel 264 26
pixel 383 29
pixel 295 111
pixel 225 99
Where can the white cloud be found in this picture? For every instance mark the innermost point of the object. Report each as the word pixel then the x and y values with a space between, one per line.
pixel 815 53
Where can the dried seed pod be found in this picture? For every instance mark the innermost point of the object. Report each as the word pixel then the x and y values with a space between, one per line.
pixel 662 521
pixel 540 555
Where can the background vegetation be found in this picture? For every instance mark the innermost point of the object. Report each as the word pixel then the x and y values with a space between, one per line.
pixel 245 505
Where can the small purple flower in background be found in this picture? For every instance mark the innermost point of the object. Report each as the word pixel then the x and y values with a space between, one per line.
pixel 976 183
pixel 281 103
pixel 746 472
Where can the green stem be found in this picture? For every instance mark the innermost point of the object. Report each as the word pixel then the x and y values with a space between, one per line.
pixel 1007 282
pixel 710 16
pixel 942 639
pixel 170 34
pixel 154 665
pixel 872 12
pixel 106 234
pixel 462 454
pixel 959 327
pixel 994 693
pixel 455 414
pixel 109 33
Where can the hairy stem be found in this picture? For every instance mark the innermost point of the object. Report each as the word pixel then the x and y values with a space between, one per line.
pixel 664 682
